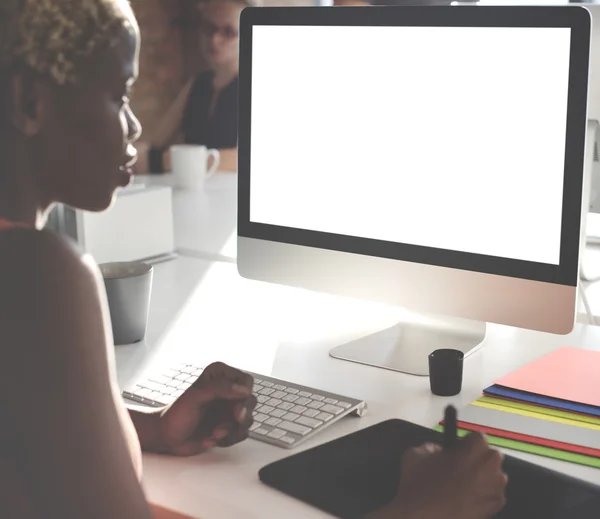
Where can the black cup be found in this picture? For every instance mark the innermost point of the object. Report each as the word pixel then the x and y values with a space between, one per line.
pixel 446 372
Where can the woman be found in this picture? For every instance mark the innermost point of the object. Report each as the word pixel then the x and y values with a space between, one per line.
pixel 205 111
pixel 68 446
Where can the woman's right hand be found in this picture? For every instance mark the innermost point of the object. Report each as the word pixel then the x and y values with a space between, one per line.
pixel 466 482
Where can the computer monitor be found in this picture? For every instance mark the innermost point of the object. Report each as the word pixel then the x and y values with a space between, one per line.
pixel 593 108
pixel 594 69
pixel 395 154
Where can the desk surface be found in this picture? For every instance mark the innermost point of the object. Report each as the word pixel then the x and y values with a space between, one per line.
pixel 287 333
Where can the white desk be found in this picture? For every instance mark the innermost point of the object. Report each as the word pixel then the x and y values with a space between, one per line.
pixel 214 314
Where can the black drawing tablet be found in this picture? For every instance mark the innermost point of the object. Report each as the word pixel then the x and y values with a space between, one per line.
pixel 358 473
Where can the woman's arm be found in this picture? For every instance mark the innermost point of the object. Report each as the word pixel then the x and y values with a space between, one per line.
pixel 64 425
pixel 170 124
pixel 147 425
pixel 165 131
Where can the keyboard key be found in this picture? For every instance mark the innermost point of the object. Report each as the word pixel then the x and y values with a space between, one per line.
pixel 285 406
pixel 166 390
pixel 143 392
pixel 291 417
pixel 170 373
pixel 298 409
pixel 331 409
pixel 266 391
pixel 197 372
pixel 184 385
pixel 310 422
pixel 278 387
pixel 318 397
pixel 153 386
pixel 330 401
pixel 312 413
pixel 302 401
pixel 274 402
pixel 159 379
pixel 315 405
pixel 304 394
pixel 290 398
pixel 262 399
pixel 278 413
pixel 183 377
pixel 345 405
pixel 261 430
pixel 292 390
pixel 177 393
pixel 276 433
pixel 294 428
pixel 254 426
pixel 273 421
pixel 278 394
pixel 188 369
pixel 174 383
pixel 324 416
pixel 267 384
pixel 260 418
pixel 288 439
pixel 257 381
pixel 265 409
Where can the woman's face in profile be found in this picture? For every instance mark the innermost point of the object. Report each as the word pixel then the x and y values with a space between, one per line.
pixel 219 32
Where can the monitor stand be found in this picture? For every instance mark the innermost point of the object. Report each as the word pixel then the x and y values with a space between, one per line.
pixel 406 346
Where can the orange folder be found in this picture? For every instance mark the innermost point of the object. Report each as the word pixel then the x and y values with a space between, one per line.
pixel 570 374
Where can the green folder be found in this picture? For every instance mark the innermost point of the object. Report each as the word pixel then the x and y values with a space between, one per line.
pixel 534 449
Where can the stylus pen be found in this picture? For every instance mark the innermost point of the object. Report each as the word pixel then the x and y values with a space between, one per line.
pixel 449 427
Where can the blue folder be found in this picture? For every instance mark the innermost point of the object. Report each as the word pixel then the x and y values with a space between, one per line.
pixel 531 398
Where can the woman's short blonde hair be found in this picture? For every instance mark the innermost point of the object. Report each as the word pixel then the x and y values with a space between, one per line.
pixel 53 37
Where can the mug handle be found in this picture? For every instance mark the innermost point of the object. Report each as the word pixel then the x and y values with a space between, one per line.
pixel 214 153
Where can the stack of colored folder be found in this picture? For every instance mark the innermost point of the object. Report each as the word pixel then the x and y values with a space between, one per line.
pixel 550 407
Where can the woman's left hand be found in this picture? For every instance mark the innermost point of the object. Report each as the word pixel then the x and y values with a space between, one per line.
pixel 215 411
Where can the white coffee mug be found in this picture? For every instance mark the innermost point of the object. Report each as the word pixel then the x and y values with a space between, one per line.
pixel 190 165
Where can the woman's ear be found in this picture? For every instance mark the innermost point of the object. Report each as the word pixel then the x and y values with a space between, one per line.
pixel 28 104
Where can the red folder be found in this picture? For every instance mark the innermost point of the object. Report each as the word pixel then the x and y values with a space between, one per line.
pixel 570 374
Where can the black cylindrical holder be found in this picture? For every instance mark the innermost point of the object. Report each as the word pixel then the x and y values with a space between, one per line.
pixel 446 372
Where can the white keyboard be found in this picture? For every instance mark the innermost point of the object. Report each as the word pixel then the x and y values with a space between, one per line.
pixel 286 414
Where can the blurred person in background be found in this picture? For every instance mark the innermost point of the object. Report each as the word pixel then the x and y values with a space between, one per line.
pixel 206 110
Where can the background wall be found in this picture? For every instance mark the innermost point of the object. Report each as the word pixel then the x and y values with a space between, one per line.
pixel 161 63
pixel 169 55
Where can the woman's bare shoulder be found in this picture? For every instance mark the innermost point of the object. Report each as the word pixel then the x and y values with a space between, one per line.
pixel 30 255
pixel 47 287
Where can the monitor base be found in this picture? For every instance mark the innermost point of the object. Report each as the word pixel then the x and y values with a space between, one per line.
pixel 406 346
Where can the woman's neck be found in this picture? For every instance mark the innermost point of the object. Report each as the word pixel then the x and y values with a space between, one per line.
pixel 18 201
pixel 225 75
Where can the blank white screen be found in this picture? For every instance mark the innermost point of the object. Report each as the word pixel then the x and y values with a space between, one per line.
pixel 447 137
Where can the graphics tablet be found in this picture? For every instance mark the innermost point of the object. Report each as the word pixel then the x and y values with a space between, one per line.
pixel 358 473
